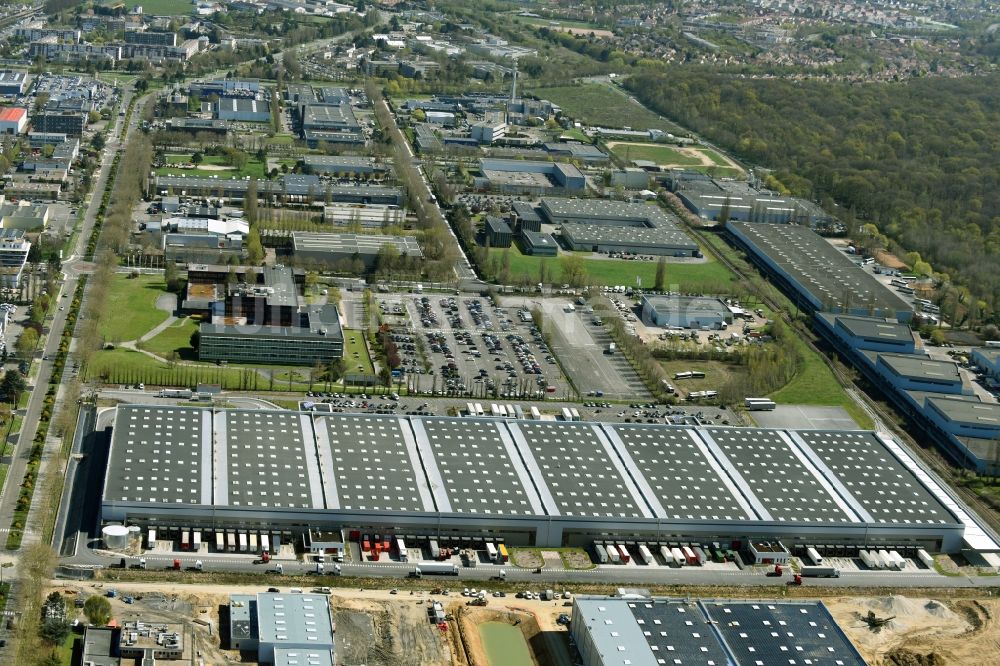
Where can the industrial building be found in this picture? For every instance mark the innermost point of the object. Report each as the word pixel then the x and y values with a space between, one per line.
pixel 695 312
pixel 13 120
pixel 488 132
pixel 23 215
pixel 243 110
pixel 631 178
pixel 328 117
pixel 498 232
pixel 650 631
pixel 712 199
pixel 14 248
pixel 368 217
pixel 331 248
pixel 12 83
pixel 583 152
pixel 315 338
pixel 342 164
pixel 815 274
pixel 523 176
pixel 282 629
pixel 987 360
pixel 600 225
pixel 933 393
pixel 539 483
pixel 537 244
pixel 70 123
pixel 300 188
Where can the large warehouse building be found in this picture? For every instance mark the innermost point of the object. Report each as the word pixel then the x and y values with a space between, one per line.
pixel 543 483
pixel 600 225
pixel 331 248
pixel 816 274
pixel 650 631
pixel 524 176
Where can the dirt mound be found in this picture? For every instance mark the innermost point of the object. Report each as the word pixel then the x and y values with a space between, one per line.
pixel 904 657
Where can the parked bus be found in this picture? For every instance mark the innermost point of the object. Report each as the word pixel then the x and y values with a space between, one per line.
pixel 759 404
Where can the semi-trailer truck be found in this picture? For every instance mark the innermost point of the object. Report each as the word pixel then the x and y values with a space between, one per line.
pixel 435 568
pixel 820 572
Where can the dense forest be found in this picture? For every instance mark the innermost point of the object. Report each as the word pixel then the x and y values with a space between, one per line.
pixel 921 159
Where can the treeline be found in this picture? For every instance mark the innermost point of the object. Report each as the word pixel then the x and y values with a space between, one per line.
pixel 918 159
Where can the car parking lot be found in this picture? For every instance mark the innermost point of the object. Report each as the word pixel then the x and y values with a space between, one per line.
pixel 471 347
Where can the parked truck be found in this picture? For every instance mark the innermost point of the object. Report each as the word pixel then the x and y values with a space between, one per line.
pixel 645 555
pixel 820 572
pixel 814 556
pixel 613 554
pixel 434 568
pixel 602 554
pixel 610 351
pixel 667 556
pixel 678 556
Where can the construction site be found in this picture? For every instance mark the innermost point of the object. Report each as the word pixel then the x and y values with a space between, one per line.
pixel 481 628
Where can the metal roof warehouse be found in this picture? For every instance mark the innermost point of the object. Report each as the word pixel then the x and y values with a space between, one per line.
pixel 544 483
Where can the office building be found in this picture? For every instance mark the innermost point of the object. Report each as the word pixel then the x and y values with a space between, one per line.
pixel 695 312
pixel 282 629
pixel 14 248
pixel 498 232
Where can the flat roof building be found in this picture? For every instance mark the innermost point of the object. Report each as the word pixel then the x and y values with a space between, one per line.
pixel 13 120
pixel 537 244
pixel 341 164
pixel 498 232
pixel 869 333
pixel 330 248
pixel 243 110
pixel 523 176
pixel 314 336
pixel 686 312
pixel 282 629
pixel 550 483
pixel 816 274
pixel 650 631
pixel 12 82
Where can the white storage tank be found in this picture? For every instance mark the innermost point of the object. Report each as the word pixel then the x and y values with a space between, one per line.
pixel 115 536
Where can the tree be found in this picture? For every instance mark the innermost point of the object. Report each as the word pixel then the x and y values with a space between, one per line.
pixel 54 630
pixel 27 342
pixel 255 250
pixel 937 337
pixel 98 142
pixel 52 659
pixel 250 202
pixel 661 274
pixel 98 610
pixel 197 158
pixel 195 340
pixel 170 276
pixel 574 272
pixel 12 386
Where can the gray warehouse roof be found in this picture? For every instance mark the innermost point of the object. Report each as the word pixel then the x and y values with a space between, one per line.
pixel 584 210
pixel 872 328
pixel 827 274
pixel 971 411
pixel 294 619
pixel 919 367
pixel 353 243
pixel 636 237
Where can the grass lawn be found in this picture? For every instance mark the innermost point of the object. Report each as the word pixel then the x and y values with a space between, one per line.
pixel 717 374
pixel 65 651
pixel 689 277
pixel 657 154
pixel 714 156
pixel 575 135
pixel 163 7
pixel 354 343
pixel 176 338
pixel 599 104
pixel 131 309
pixel 253 168
pixel 281 139
pixel 546 22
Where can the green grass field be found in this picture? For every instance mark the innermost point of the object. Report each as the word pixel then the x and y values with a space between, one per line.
pixel 598 104
pixel 253 168
pixel 716 158
pixel 548 23
pixel 354 343
pixel 176 338
pixel 131 308
pixel 575 135
pixel 163 7
pixel 657 154
pixel 689 277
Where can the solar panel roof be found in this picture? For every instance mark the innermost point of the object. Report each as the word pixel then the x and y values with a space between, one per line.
pixel 766 634
pixel 684 479
pixel 372 462
pixel 157 455
pixel 787 486
pixel 884 487
pixel 581 475
pixel 677 633
pixel 477 469
pixel 267 460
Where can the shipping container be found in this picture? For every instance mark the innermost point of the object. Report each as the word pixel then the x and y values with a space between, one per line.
pixel 925 557
pixel 535 414
pixel 185 540
pixel 647 557
pixel 575 413
pixel 699 555
pixel 820 572
pixel 886 559
pixel 470 408
pixel 401 550
pixel 220 542
pixel 253 542
pixel 366 545
pixel 196 540
pixel 678 556
pixel 759 404
pixel 623 551
pixel 502 551
pixel 518 412
pixel 494 410
pixel 491 551
pixel 613 554
pixel 602 553
pixel 151 539
pixel 436 568
pixel 897 559
pixel 435 551
pixel 689 556
pixel 243 542
pixel 814 556
pixel 566 414
pixel 867 559
pixel 479 409
pixel 231 542
pixel 265 544
pixel 667 556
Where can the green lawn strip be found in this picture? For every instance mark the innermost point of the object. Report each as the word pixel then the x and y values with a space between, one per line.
pixel 716 158
pixel 657 154
pixel 351 362
pixel 131 310
pixel 65 650
pixel 174 338
pixel 162 7
pixel 575 135
pixel 689 277
pixel 281 139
